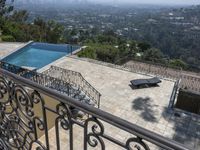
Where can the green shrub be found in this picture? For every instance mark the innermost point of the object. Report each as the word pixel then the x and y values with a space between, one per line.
pixel 178 63
pixel 88 53
pixel 8 38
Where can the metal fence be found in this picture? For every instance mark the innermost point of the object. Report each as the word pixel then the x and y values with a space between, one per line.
pixel 61 85
pixel 77 80
pixel 20 122
pixel 189 82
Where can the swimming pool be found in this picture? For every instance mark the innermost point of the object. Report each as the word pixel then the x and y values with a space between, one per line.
pixel 38 55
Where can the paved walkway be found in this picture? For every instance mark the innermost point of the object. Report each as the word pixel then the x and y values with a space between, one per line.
pixel 8 47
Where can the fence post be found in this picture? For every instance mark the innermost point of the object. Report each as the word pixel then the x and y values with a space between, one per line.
pixel 71 49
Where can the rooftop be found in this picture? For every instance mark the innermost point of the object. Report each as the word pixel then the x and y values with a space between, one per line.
pixel 144 107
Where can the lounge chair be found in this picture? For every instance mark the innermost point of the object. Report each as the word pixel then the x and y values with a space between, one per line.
pixel 145 82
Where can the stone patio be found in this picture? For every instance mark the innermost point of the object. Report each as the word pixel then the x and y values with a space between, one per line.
pixel 145 107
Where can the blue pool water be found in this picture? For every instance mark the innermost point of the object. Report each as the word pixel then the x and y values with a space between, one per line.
pixel 38 55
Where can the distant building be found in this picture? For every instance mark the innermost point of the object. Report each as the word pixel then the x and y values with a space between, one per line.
pixel 196 28
pixel 152 20
pixel 126 29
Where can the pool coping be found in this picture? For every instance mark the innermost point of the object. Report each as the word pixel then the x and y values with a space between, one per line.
pixel 50 64
pixel 78 50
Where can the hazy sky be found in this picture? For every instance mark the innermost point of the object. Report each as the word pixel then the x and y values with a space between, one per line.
pixel 190 2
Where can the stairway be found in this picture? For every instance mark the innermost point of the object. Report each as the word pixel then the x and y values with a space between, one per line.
pixel 87 92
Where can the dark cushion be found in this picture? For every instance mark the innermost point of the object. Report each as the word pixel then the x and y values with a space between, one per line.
pixel 151 81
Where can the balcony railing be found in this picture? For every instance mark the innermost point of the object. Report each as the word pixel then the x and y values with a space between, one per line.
pixel 28 110
pixel 190 83
pixel 63 86
pixel 77 80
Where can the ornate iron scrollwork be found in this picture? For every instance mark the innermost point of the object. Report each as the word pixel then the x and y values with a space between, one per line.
pixel 94 137
pixel 64 117
pixel 3 145
pixel 136 143
pixel 18 121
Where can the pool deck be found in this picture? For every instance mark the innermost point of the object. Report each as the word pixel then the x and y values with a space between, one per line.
pixel 144 107
pixel 7 48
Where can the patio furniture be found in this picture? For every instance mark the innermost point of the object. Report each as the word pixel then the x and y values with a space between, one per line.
pixel 145 82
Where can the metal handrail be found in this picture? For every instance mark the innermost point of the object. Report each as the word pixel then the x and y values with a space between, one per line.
pixel 140 132
pixel 77 80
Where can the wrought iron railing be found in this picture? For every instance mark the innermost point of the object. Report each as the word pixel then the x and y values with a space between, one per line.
pixel 15 69
pixel 77 80
pixel 43 79
pixel 190 83
pixel 25 115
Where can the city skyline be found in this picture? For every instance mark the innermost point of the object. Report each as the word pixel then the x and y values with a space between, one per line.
pixel 191 2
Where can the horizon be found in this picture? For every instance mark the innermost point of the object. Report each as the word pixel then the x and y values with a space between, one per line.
pixel 181 2
pixel 118 2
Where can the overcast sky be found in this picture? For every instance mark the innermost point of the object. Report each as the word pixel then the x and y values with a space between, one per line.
pixel 189 2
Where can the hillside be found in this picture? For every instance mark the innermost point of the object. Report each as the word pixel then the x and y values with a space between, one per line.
pixel 173 31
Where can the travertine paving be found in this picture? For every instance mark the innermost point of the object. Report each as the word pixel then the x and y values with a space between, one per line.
pixel 7 48
pixel 144 107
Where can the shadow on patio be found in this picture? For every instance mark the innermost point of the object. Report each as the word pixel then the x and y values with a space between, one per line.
pixel 180 127
pixel 186 129
pixel 146 108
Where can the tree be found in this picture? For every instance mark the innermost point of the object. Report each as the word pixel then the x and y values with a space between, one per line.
pixel 54 31
pixel 88 52
pixel 41 26
pixel 133 45
pixel 154 55
pixel 144 46
pixel 19 16
pixel 107 39
pixel 107 53
pixel 5 8
pixel 109 33
pixel 133 48
pixel 123 49
pixel 178 63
